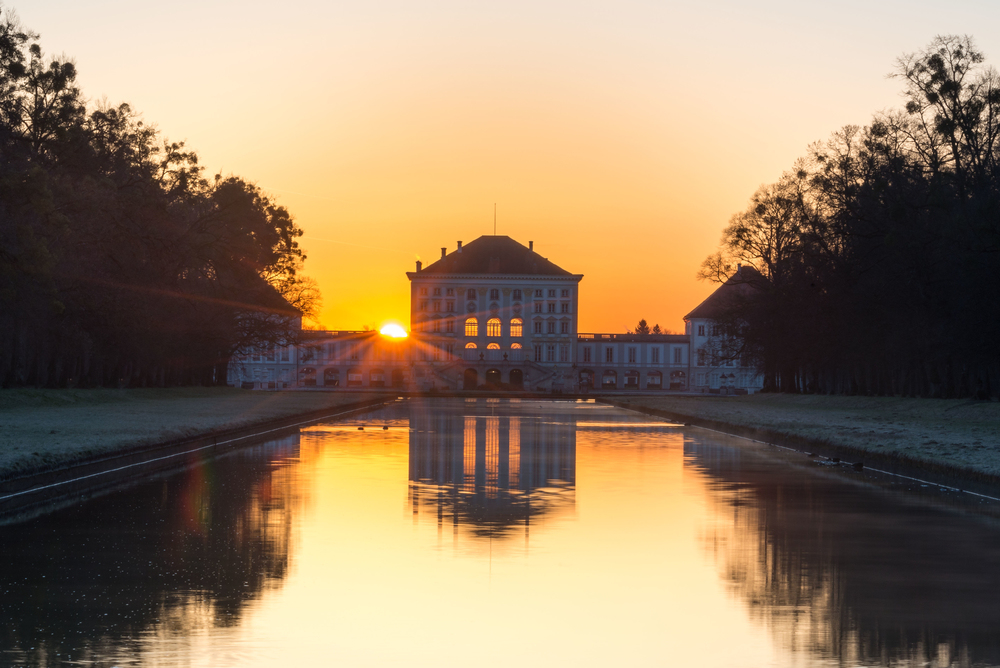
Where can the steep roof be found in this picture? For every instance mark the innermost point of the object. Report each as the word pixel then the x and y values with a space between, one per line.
pixel 493 255
pixel 739 285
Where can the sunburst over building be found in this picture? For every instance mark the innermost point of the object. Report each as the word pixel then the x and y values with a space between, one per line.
pixel 496 314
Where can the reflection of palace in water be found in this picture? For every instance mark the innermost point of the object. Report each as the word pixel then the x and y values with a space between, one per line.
pixel 490 472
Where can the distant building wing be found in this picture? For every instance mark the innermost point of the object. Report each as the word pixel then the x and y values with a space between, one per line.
pixel 745 281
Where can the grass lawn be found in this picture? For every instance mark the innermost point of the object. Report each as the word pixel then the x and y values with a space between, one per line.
pixel 43 428
pixel 955 433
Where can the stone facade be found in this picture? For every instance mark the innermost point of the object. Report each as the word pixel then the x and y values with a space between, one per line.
pixel 496 314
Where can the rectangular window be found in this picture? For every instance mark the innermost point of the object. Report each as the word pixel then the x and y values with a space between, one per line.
pixel 564 328
pixel 654 355
pixel 517 295
pixel 677 355
pixel 437 292
pixel 701 330
pixel 450 326
pixel 552 293
pixel 552 328
pixel 449 307
pixel 538 307
pixel 550 353
pixel 437 306
pixel 565 293
pixel 450 292
pixel 631 355
pixel 285 357
pixel 701 357
pixel 423 305
pixel 538 352
pixel 609 355
pixel 564 307
pixel 538 327
pixel 538 294
pixel 451 350
pixel 437 354
pixel 586 354
pixel 437 325
pixel 563 353
pixel 423 291
pixel 494 294
pixel 552 307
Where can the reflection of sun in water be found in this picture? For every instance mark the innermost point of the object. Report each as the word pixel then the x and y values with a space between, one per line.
pixel 393 330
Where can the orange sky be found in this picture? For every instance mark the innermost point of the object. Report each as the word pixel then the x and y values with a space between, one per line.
pixel 619 137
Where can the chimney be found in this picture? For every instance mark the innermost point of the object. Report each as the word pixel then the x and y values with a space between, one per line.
pixel 420 265
pixel 531 245
pixel 444 251
pixel 459 246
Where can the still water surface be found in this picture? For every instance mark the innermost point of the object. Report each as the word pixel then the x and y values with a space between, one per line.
pixel 497 533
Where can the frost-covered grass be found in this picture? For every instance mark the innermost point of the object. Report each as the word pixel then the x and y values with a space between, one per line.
pixel 954 433
pixel 44 428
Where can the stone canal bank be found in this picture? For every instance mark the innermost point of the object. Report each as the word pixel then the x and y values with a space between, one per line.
pixel 49 429
pixel 954 438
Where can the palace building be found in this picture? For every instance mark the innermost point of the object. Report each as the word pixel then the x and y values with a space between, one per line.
pixel 494 313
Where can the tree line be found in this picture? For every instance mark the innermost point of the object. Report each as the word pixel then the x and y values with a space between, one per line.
pixel 121 264
pixel 876 255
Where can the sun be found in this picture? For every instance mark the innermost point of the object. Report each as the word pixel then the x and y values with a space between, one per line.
pixel 393 330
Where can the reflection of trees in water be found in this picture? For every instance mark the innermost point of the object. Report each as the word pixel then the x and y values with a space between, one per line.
pixel 850 572
pixel 490 473
pixel 175 554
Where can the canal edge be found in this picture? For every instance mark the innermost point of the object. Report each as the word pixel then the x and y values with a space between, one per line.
pixel 89 475
pixel 956 478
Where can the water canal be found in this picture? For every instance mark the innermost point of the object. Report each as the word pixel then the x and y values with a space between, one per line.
pixel 494 533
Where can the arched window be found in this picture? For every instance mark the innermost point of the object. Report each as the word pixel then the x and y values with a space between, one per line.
pixel 472 327
pixel 515 327
pixel 470 293
pixel 515 346
pixel 493 346
pixel 492 327
pixel 470 346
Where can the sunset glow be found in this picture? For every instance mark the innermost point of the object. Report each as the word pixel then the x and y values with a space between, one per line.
pixel 392 330
pixel 619 138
